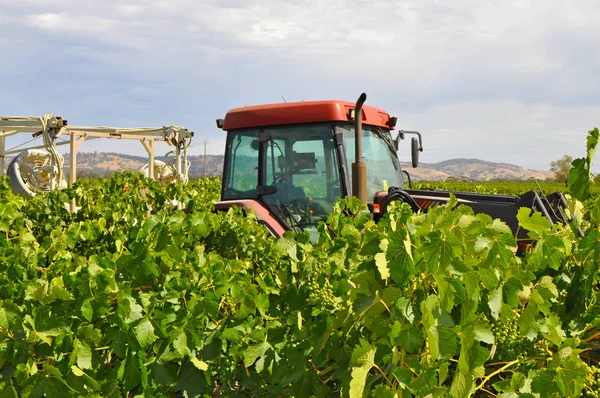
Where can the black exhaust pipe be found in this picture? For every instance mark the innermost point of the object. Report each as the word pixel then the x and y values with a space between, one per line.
pixel 359 168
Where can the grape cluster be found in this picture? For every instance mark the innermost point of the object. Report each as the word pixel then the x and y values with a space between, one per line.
pixel 506 335
pixel 269 391
pixel 224 364
pixel 511 345
pixel 592 382
pixel 321 295
pixel 541 349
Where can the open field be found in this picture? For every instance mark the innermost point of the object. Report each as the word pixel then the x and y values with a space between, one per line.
pixel 496 187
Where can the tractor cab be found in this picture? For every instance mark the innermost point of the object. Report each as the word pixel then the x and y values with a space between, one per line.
pixel 289 163
pixel 294 158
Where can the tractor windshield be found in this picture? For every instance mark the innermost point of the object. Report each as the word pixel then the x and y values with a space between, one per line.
pixel 294 170
pixel 383 167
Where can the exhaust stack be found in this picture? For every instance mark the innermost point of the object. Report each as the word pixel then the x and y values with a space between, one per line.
pixel 359 168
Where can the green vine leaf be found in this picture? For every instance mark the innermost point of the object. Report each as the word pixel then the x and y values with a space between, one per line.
pixel 364 358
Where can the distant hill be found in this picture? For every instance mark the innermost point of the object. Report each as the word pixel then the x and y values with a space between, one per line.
pixel 105 164
pixel 473 170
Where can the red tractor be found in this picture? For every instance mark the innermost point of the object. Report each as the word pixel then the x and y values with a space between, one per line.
pixel 290 162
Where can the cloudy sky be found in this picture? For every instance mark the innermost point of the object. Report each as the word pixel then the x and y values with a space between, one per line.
pixel 510 81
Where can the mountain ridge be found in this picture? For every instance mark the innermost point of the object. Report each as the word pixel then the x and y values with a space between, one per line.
pixel 471 169
pixel 103 164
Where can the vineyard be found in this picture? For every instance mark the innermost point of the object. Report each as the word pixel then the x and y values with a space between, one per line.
pixel 494 187
pixel 506 187
pixel 132 296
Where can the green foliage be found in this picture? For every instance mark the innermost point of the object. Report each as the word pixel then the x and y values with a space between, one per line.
pixel 132 296
pixel 499 187
pixel 561 168
pixel 580 175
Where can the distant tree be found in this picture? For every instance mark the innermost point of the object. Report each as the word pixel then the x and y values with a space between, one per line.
pixel 561 168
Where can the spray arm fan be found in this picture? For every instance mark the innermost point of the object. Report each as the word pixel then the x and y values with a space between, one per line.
pixel 31 171
pixel 164 173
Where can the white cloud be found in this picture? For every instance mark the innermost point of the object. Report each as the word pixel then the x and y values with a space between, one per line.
pixel 428 40
pixel 467 73
pixel 531 135
pixel 49 20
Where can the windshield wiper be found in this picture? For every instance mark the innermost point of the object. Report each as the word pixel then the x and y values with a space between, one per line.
pixel 381 134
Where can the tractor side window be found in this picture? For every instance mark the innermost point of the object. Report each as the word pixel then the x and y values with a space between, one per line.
pixel 241 170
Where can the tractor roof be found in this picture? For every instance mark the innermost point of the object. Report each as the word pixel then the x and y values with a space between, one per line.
pixel 301 112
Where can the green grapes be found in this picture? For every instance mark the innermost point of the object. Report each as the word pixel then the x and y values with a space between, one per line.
pixel 592 382
pixel 541 349
pixel 224 365
pixel 269 391
pixel 511 345
pixel 506 334
pixel 321 295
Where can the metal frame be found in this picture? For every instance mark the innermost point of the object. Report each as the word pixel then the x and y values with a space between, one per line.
pixel 53 127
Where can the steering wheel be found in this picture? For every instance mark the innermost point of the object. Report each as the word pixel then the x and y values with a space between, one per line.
pixel 300 205
pixel 282 178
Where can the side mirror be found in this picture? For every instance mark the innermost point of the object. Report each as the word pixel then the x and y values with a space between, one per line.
pixel 414 149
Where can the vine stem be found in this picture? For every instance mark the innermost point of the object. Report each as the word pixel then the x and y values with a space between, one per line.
pixel 385 305
pixel 502 369
pixel 491 394
pixel 592 337
pixel 383 374
pixel 592 360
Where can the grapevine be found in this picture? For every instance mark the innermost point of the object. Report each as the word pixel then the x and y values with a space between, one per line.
pixel 321 296
pixel 130 296
pixel 510 344
pixel 592 382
